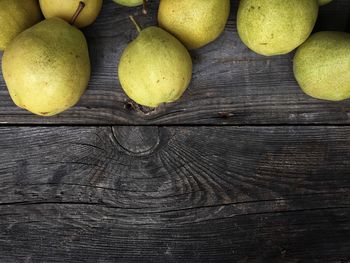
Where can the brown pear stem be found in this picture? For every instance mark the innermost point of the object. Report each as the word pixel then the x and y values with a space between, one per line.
pixel 77 13
pixel 137 25
pixel 144 9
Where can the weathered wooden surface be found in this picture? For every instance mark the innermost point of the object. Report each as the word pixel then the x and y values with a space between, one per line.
pixel 196 194
pixel 274 193
pixel 231 85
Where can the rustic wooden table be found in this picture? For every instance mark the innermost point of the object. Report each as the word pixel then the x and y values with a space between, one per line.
pixel 244 168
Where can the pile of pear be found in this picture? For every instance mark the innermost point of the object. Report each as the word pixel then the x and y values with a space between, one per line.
pixel 46 64
pixel 277 27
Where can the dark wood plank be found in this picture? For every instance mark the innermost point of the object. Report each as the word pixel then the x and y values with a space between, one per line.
pixel 147 194
pixel 231 85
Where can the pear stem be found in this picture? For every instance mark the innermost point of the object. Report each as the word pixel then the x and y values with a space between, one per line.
pixel 77 13
pixel 144 9
pixel 137 25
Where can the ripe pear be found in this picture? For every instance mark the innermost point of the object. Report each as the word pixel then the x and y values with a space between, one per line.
pixel 66 9
pixel 322 66
pixel 132 3
pixel 15 17
pixel 155 68
pixel 275 27
pixel 324 2
pixel 47 67
pixel 129 3
pixel 196 23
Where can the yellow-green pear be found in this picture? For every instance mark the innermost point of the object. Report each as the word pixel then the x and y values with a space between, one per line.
pixel 324 2
pixel 195 22
pixel 129 3
pixel 16 16
pixel 275 27
pixel 132 3
pixel 47 68
pixel 66 9
pixel 155 68
pixel 322 66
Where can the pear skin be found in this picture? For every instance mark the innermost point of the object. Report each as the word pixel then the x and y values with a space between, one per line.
pixel 47 68
pixel 322 66
pixel 324 2
pixel 15 17
pixel 194 22
pixel 65 9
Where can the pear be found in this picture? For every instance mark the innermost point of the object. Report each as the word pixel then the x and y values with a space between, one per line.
pixel 322 66
pixel 196 23
pixel 66 9
pixel 132 3
pixel 15 17
pixel 46 67
pixel 154 68
pixel 275 27
pixel 129 3
pixel 324 2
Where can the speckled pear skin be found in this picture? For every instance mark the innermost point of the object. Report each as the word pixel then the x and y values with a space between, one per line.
pixel 155 68
pixel 47 68
pixel 65 9
pixel 275 27
pixel 129 3
pixel 15 17
pixel 195 22
pixel 324 2
pixel 322 66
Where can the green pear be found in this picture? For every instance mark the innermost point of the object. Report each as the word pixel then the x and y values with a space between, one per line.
pixel 322 66
pixel 275 27
pixel 155 68
pixel 132 3
pixel 196 23
pixel 66 9
pixel 324 2
pixel 129 3
pixel 15 17
pixel 47 67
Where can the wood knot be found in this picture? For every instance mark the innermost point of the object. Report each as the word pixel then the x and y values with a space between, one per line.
pixel 137 140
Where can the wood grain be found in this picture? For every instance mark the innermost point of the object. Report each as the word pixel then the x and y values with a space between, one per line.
pixel 231 85
pixel 196 194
